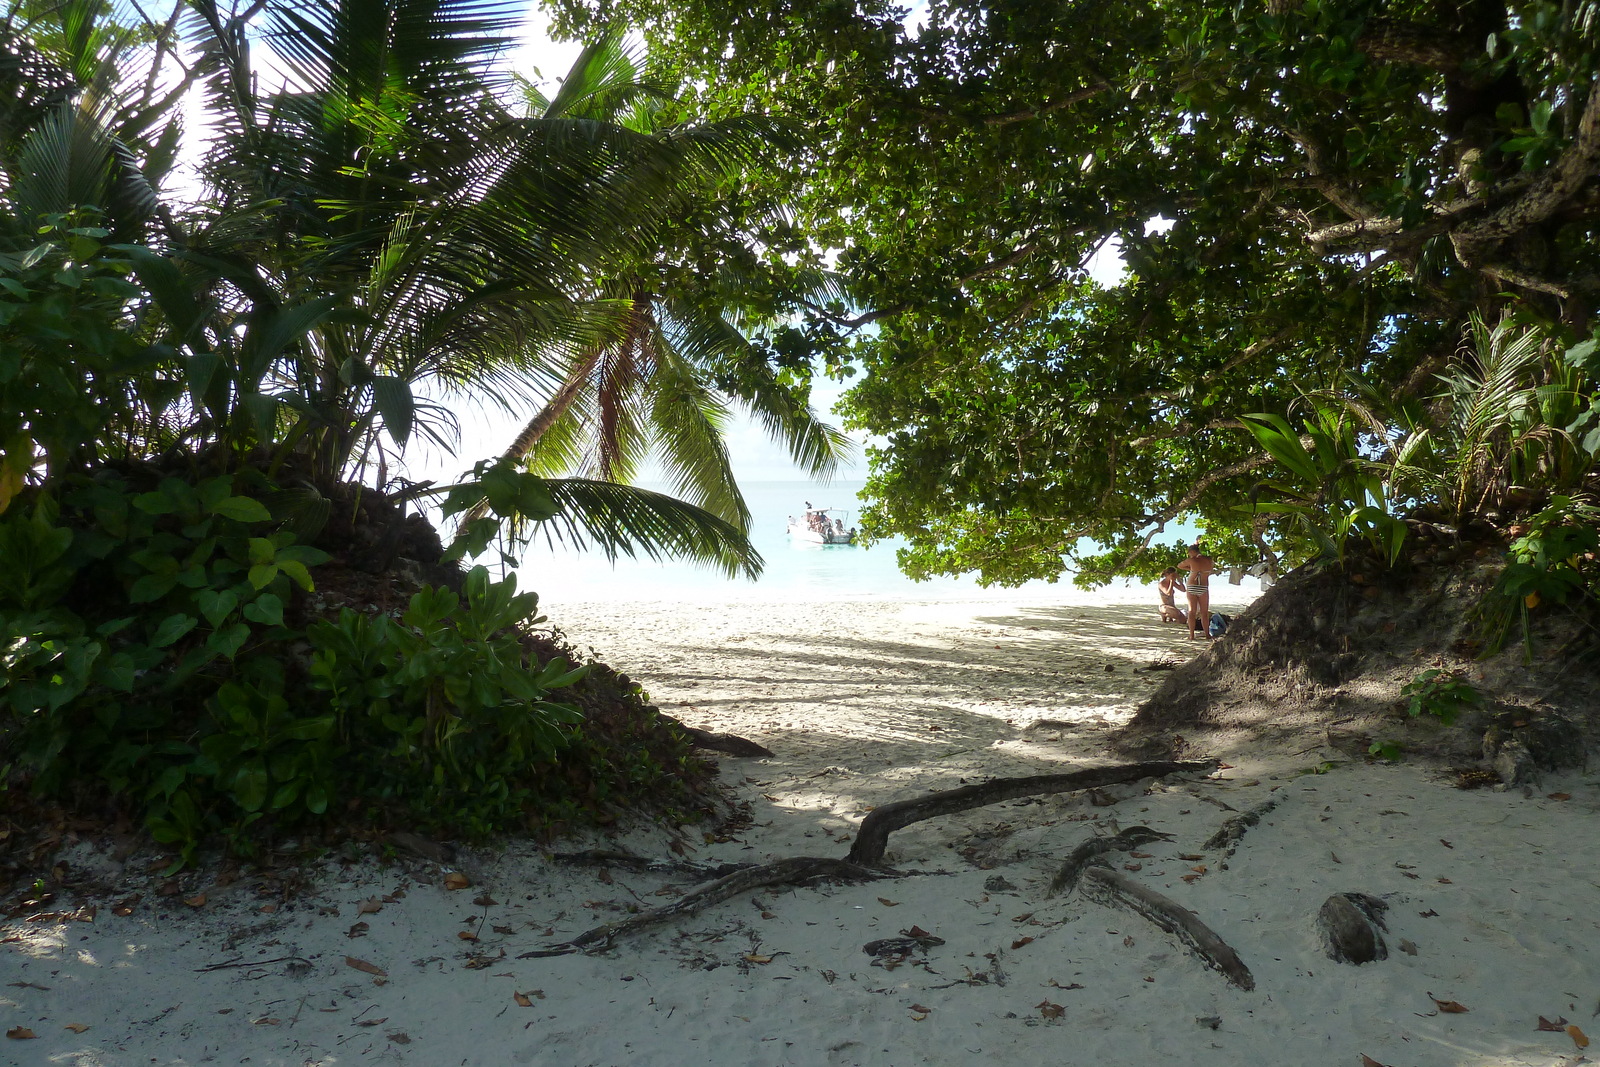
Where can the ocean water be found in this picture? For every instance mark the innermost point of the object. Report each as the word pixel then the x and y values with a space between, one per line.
pixel 794 571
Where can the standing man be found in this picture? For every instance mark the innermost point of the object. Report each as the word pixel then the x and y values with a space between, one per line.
pixel 1198 588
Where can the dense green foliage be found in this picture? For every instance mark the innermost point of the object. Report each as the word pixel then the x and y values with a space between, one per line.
pixel 1311 198
pixel 198 386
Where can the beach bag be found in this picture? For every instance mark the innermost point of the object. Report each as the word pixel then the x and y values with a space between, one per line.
pixel 1219 624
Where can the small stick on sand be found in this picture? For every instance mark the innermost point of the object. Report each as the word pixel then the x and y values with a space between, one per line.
pixel 1105 886
pixel 873 837
pixel 781 872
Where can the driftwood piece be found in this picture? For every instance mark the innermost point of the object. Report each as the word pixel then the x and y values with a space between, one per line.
pixel 873 837
pixel 1349 924
pixel 1105 886
pixel 1231 832
pixel 781 872
pixel 1066 878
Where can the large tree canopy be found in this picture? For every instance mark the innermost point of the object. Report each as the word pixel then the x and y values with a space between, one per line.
pixel 1304 193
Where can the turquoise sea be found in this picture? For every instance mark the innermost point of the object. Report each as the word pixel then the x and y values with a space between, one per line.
pixel 793 571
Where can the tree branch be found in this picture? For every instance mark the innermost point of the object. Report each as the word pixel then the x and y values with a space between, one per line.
pixel 1011 117
pixel 1396 41
pixel 1010 260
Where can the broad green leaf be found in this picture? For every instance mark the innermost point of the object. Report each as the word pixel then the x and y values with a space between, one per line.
pixel 243 509
pixel 172 628
pixel 216 604
pixel 266 609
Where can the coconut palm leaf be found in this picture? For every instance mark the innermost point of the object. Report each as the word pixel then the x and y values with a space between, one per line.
pixel 622 520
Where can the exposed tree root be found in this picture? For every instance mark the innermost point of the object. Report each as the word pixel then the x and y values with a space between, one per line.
pixel 781 872
pixel 1105 886
pixel 1231 832
pixel 727 744
pixel 1066 878
pixel 627 861
pixel 873 837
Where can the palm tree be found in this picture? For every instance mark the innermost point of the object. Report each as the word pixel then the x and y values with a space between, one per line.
pixel 427 235
pixel 663 380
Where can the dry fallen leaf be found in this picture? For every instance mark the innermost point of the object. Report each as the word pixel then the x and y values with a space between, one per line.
pixel 915 931
pixel 1019 942
pixel 1449 1007
pixel 1198 870
pixel 1560 796
pixel 373 1022
pixel 886 902
pixel 1368 1061
pixel 1579 1038
pixel 1558 1024
pixel 768 915
pixel 920 1008
pixel 1049 1010
pixel 522 999
pixel 20 1033
pixel 753 958
pixel 77 1028
pixel 1190 856
pixel 266 1021
pixel 1191 878
pixel 358 930
pixel 370 906
pixel 467 935
pixel 363 965
pixel 456 880
pixel 197 901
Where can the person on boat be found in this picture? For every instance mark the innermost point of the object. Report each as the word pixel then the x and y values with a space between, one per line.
pixel 1198 587
pixel 1166 589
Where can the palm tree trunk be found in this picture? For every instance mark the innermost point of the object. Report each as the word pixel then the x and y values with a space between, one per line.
pixel 525 441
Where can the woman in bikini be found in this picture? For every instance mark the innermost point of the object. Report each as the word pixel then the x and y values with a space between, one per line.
pixel 1197 586
pixel 1166 589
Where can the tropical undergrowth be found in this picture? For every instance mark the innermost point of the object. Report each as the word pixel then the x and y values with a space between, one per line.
pixel 169 654
pixel 1502 456
pixel 169 660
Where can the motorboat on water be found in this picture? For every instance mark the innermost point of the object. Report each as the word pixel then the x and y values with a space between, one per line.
pixel 822 526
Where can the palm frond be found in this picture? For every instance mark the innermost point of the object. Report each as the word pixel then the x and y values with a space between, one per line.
pixel 624 520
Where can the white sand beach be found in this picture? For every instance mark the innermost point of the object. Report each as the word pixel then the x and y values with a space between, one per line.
pixel 1493 897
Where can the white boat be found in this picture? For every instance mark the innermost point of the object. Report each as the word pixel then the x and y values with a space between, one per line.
pixel 822 526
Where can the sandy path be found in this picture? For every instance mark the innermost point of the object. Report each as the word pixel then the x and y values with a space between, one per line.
pixel 1497 893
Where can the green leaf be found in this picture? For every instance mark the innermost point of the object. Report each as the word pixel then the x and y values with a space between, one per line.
pixel 243 509
pixel 171 628
pixel 250 784
pixel 262 574
pixel 216 605
pixel 266 609
pixel 152 587
pixel 229 639
pixel 297 573
pixel 392 398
